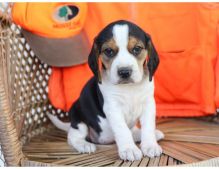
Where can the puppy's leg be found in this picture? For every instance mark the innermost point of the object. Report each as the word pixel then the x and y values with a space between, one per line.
pixel 123 136
pixel 136 133
pixel 77 139
pixel 149 145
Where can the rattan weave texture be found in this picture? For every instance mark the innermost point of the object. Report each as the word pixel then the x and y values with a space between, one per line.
pixel 23 93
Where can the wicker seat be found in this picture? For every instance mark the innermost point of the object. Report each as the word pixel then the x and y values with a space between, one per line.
pixel 29 139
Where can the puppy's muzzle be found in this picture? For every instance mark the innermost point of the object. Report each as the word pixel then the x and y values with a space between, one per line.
pixel 124 73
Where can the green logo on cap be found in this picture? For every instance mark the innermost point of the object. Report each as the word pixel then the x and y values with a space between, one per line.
pixel 65 13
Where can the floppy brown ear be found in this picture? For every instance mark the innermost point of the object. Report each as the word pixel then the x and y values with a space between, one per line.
pixel 93 61
pixel 153 60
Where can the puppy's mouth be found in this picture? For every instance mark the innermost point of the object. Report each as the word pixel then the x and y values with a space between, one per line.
pixel 125 81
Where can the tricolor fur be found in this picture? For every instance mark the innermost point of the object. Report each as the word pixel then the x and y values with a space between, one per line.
pixel 120 93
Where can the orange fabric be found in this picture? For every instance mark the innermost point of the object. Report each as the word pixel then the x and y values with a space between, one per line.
pixel 56 94
pixel 44 13
pixel 185 36
pixel 65 85
pixel 75 78
pixel 217 70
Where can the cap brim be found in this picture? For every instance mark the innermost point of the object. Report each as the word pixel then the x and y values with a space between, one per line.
pixel 59 52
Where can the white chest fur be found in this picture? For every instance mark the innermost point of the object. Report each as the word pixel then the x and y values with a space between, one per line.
pixel 129 99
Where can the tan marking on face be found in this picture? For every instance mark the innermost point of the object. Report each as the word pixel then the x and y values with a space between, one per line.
pixel 106 60
pixel 134 42
pixel 137 42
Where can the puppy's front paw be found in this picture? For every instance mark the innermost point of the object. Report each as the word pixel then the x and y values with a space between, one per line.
pixel 130 153
pixel 85 147
pixel 151 150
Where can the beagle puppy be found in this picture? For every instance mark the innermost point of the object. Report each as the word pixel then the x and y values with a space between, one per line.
pixel 123 60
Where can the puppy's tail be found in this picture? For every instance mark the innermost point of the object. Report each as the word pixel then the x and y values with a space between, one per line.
pixel 58 123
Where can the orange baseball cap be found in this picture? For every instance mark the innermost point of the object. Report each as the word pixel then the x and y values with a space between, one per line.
pixel 54 31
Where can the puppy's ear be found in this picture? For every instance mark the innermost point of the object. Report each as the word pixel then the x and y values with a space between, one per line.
pixel 153 60
pixel 93 61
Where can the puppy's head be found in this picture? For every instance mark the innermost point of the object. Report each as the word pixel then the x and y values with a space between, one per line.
pixel 126 54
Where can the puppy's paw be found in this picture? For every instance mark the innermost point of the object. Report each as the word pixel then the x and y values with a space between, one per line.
pixel 130 153
pixel 85 147
pixel 151 150
pixel 159 134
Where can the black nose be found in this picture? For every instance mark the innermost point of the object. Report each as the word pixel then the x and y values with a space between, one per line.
pixel 124 72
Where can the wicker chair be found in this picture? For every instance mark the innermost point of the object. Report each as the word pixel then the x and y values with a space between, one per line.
pixel 27 138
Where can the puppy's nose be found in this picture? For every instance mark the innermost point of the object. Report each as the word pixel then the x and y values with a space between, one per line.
pixel 124 72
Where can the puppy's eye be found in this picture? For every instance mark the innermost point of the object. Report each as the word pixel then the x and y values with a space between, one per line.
pixel 109 52
pixel 136 50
